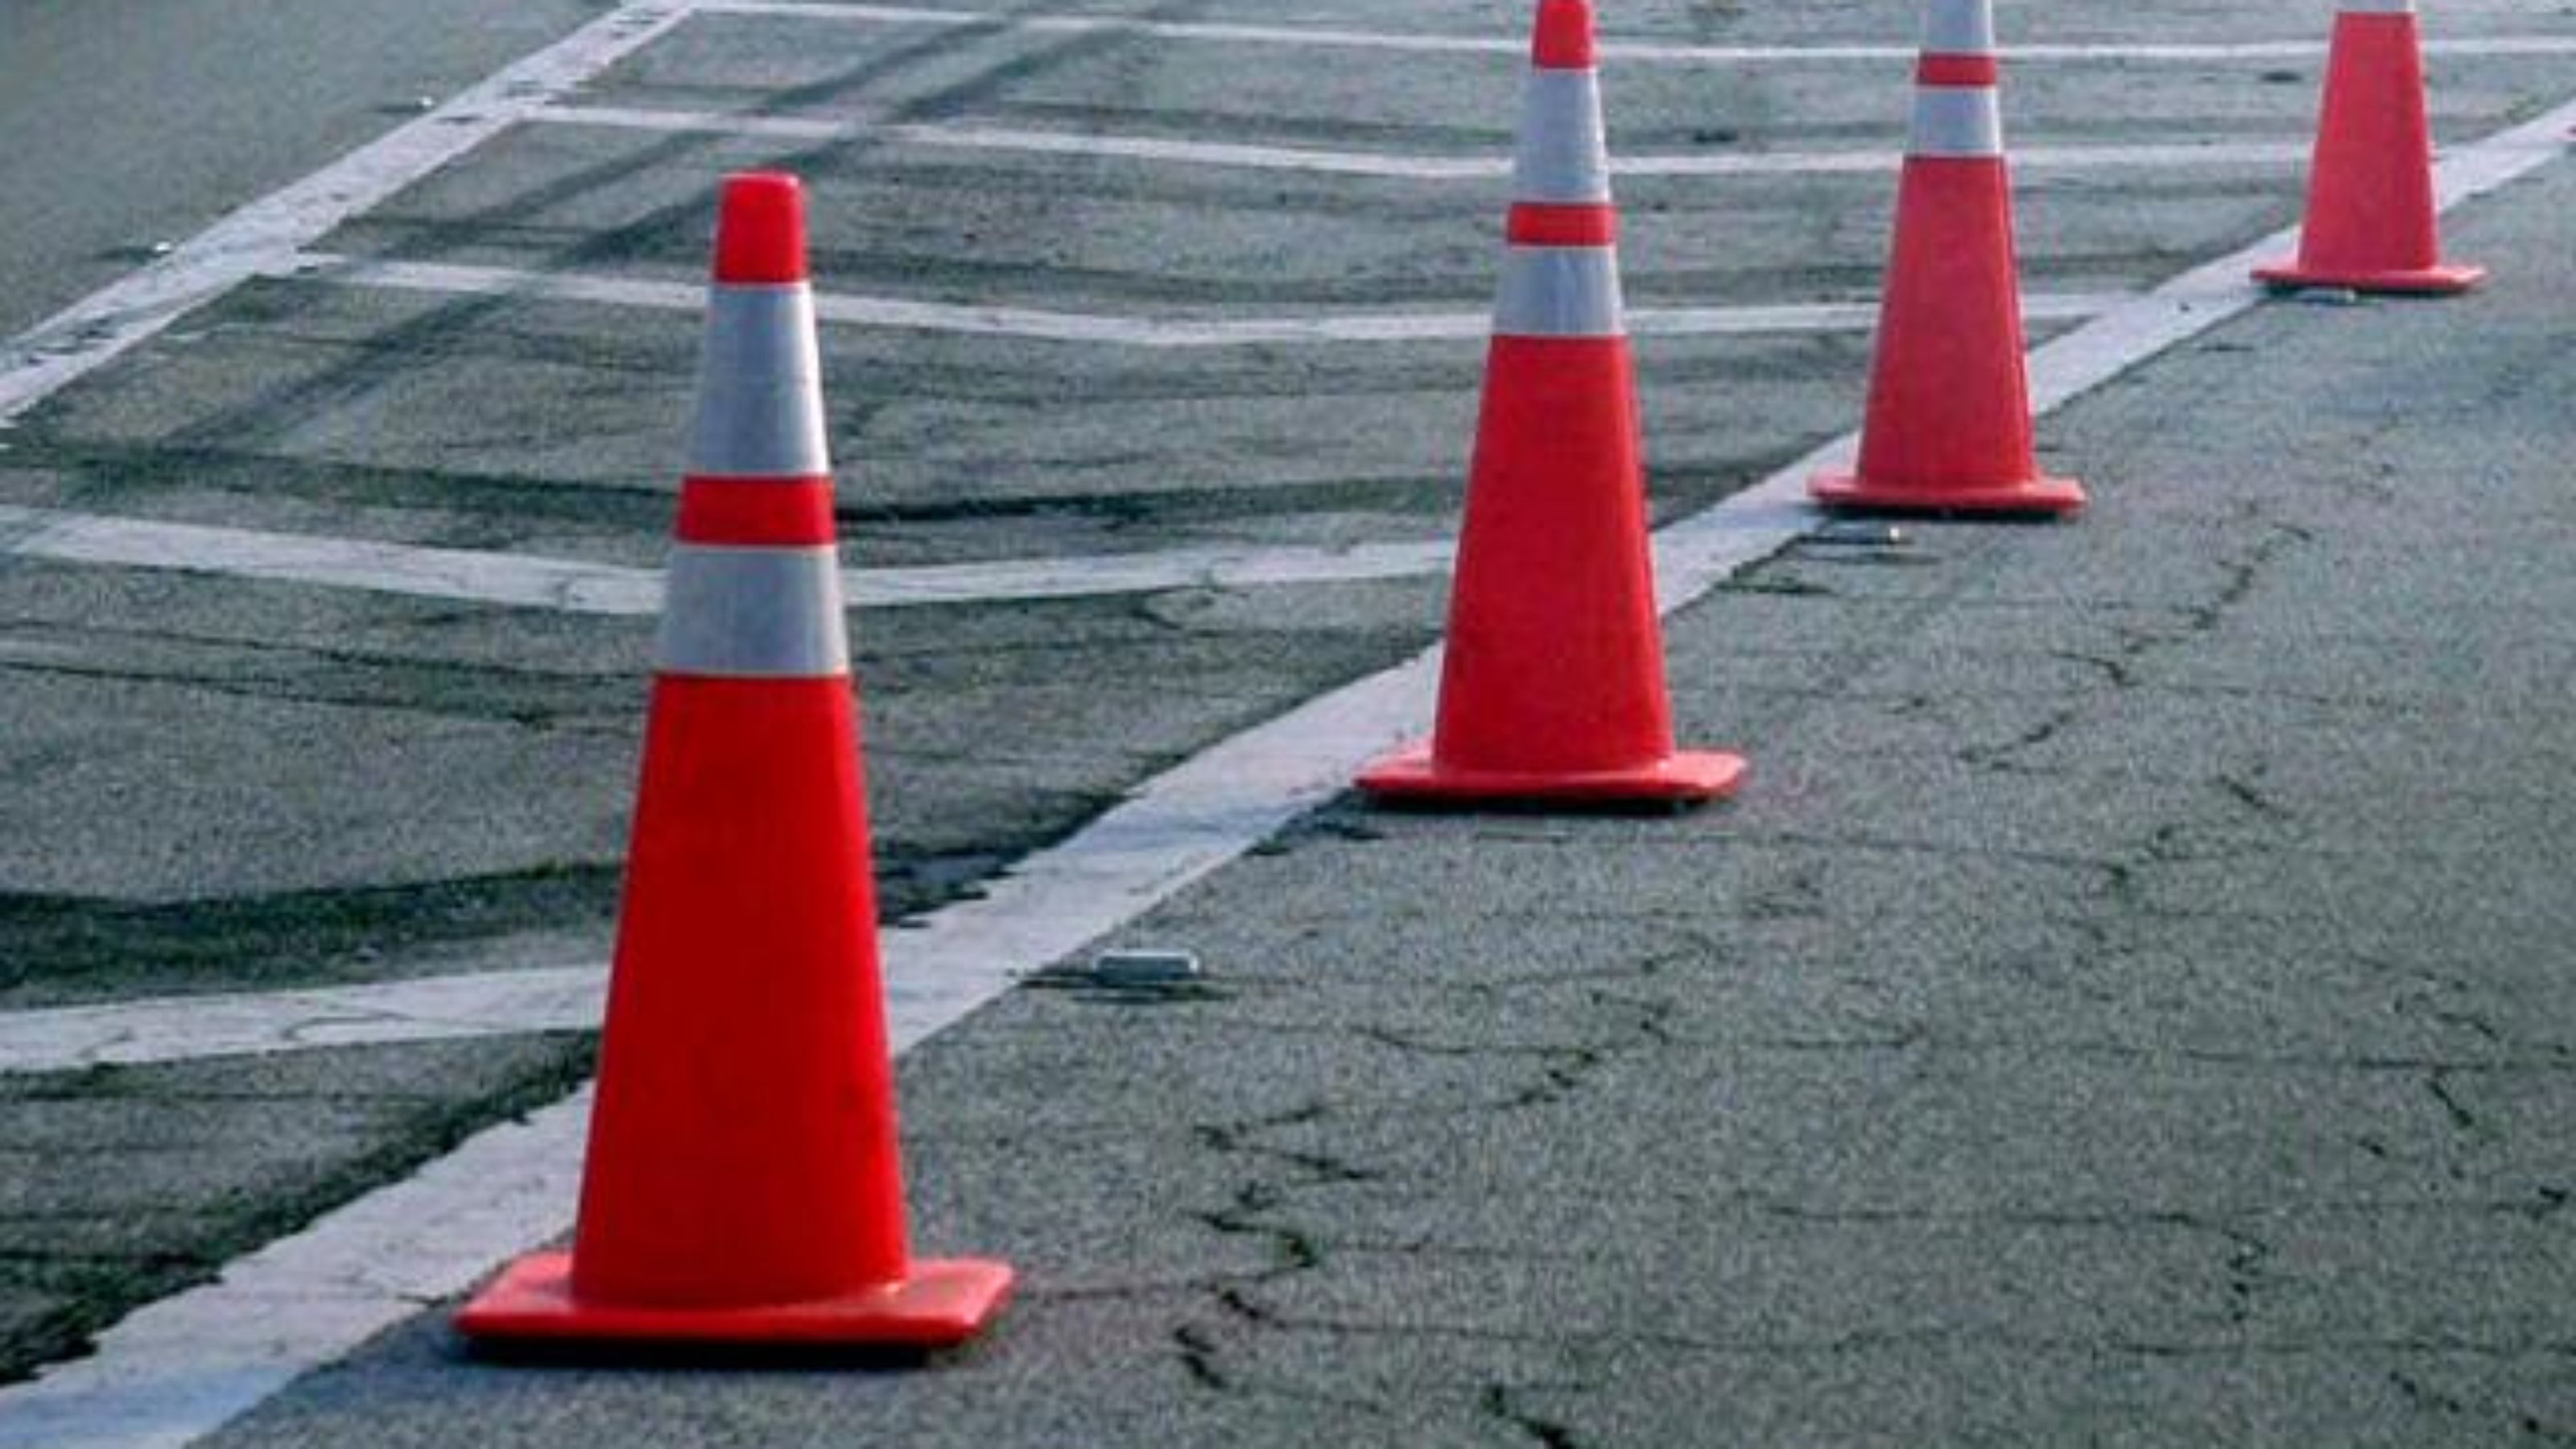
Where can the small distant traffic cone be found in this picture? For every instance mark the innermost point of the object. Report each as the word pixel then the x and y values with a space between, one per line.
pixel 742 1183
pixel 2371 224
pixel 1948 428
pixel 1553 686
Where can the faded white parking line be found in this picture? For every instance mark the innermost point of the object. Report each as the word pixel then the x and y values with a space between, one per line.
pixel 188 1028
pixel 1314 329
pixel 391 568
pixel 1418 43
pixel 181 1368
pixel 1382 165
pixel 1041 143
pixel 575 586
pixel 262 235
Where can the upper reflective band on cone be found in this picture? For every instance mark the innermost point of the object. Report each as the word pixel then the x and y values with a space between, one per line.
pixel 760 391
pixel 1957 121
pixel 2378 7
pixel 1959 27
pixel 1564 159
pixel 753 613
pixel 1560 292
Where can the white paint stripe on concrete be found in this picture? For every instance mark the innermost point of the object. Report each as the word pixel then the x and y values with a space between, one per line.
pixel 188 1028
pixel 260 237
pixel 431 573
pixel 970 137
pixel 1416 43
pixel 1312 329
pixel 185 1366
pixel 2170 155
pixel 2179 155
pixel 1240 567
pixel 176 1370
pixel 573 586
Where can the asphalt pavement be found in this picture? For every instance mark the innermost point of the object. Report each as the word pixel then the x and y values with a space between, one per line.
pixel 2131 1005
pixel 2128 1005
pixel 128 125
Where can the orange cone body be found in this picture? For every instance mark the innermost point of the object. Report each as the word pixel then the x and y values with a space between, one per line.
pixel 1553 683
pixel 742 1183
pixel 1948 427
pixel 2371 222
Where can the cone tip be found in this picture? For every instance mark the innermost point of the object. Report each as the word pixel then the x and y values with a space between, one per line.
pixel 1564 35
pixel 760 229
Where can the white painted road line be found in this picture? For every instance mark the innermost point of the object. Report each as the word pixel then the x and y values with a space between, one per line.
pixel 1310 330
pixel 2171 156
pixel 432 573
pixel 1387 166
pixel 573 586
pixel 174 1371
pixel 188 1028
pixel 183 1367
pixel 259 237
pixel 1416 43
pixel 1037 143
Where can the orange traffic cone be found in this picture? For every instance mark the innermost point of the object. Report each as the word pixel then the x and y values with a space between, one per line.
pixel 2371 220
pixel 1948 428
pixel 742 1183
pixel 1553 687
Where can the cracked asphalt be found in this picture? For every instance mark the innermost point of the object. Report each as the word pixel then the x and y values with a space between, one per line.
pixel 2131 1006
pixel 2131 1003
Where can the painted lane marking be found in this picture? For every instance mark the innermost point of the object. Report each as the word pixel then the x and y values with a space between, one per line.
pixel 433 573
pixel 259 237
pixel 573 586
pixel 191 1028
pixel 1381 165
pixel 183 1367
pixel 1040 143
pixel 1310 330
pixel 1417 43
pixel 1094 575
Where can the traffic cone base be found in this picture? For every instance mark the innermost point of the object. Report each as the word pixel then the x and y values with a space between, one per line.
pixel 2053 497
pixel 1687 777
pixel 937 1305
pixel 2441 281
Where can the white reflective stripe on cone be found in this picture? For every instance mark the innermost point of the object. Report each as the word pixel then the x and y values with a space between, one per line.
pixel 1564 160
pixel 1959 27
pixel 753 613
pixel 760 387
pixel 1560 292
pixel 2378 7
pixel 1957 121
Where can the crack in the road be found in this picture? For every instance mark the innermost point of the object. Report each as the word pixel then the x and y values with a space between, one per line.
pixel 1502 1402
